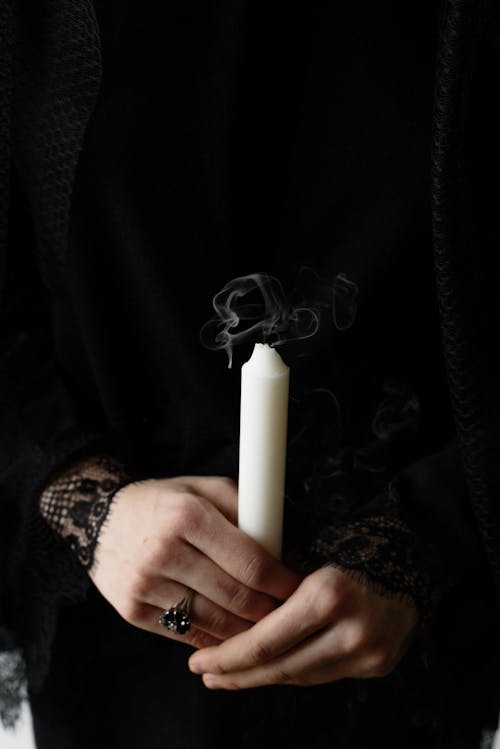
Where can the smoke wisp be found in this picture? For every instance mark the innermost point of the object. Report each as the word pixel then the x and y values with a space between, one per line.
pixel 256 306
pixel 344 302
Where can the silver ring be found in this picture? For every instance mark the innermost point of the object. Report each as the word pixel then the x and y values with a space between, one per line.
pixel 176 619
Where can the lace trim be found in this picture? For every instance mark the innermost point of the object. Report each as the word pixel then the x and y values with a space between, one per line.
pixel 76 502
pixel 380 551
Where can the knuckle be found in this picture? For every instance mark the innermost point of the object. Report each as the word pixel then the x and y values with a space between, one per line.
pixel 132 611
pixel 139 586
pixel 216 622
pixel 259 652
pixel 360 637
pixel 278 675
pixel 184 515
pixel 341 582
pixel 254 572
pixel 381 662
pixel 155 553
pixel 240 601
pixel 326 602
pixel 234 686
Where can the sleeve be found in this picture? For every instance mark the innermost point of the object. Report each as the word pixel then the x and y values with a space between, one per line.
pixel 415 540
pixel 76 501
pixel 42 427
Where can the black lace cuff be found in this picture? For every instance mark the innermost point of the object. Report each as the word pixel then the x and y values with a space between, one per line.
pixel 76 501
pixel 382 552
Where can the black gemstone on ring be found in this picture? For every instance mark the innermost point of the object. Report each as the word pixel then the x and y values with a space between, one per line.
pixel 176 620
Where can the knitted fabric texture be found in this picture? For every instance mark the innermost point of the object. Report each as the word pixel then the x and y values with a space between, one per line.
pixel 465 138
pixel 51 107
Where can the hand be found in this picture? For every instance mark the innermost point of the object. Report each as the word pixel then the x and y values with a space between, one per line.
pixel 165 534
pixel 330 628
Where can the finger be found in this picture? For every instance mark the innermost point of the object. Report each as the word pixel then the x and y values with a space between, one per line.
pixel 278 674
pixel 303 614
pixel 200 573
pixel 240 556
pixel 204 615
pixel 222 491
pixel 321 659
pixel 144 616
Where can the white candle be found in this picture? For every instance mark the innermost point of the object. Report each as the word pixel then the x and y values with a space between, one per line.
pixel 263 428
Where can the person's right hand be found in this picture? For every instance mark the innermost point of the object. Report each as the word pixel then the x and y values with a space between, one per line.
pixel 163 535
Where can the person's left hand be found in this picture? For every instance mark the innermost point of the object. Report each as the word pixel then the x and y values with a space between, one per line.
pixel 330 628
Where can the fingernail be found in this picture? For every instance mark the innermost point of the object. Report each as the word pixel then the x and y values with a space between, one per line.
pixel 210 681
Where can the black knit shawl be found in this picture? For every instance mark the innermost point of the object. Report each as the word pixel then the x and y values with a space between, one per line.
pixel 50 67
pixel 465 163
pixel 42 126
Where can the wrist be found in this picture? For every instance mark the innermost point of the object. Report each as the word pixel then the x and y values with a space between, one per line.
pixel 76 502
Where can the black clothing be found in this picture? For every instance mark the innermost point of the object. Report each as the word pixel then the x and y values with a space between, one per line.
pixel 269 156
pixel 149 698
